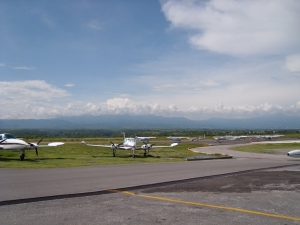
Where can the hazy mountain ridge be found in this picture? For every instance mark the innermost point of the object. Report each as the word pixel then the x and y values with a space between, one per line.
pixel 152 122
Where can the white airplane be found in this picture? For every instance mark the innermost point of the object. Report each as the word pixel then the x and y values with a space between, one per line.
pixel 235 138
pixel 255 137
pixel 130 144
pixel 294 153
pixel 195 138
pixel 10 142
pixel 271 137
pixel 143 139
pixel 219 139
pixel 243 137
pixel 176 139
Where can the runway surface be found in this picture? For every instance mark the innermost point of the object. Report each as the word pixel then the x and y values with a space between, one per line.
pixel 83 195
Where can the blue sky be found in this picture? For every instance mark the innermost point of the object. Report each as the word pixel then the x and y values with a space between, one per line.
pixel 197 59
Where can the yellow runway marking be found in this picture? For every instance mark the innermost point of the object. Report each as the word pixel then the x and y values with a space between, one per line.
pixel 124 192
pixel 210 206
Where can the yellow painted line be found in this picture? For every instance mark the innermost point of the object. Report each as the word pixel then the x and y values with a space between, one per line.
pixel 211 206
pixel 124 192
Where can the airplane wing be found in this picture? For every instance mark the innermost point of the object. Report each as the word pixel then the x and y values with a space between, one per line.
pixel 166 146
pixel 52 144
pixel 128 148
pixel 104 146
pixel 145 137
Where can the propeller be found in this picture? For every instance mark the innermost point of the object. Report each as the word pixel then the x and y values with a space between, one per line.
pixel 2 140
pixel 114 145
pixel 36 149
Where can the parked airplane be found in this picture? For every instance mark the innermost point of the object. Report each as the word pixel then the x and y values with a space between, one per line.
pixel 195 139
pixel 219 139
pixel 255 137
pixel 10 142
pixel 294 153
pixel 176 139
pixel 230 138
pixel 267 137
pixel 271 137
pixel 130 144
pixel 143 139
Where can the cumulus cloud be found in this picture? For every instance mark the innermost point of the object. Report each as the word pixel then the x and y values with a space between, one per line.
pixel 127 106
pixel 30 99
pixel 29 90
pixel 238 28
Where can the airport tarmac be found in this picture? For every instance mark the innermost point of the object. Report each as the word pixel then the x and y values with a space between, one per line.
pixel 248 189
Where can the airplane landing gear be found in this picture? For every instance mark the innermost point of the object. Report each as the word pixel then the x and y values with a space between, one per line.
pixel 146 152
pixel 22 156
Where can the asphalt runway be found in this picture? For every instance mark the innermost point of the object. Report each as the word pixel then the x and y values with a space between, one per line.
pixel 170 193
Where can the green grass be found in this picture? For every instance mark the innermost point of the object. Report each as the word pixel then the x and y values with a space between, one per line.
pixel 74 154
pixel 271 148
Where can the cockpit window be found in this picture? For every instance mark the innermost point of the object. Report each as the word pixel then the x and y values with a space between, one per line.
pixel 9 136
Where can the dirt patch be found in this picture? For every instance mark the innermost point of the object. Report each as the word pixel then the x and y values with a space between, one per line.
pixel 241 183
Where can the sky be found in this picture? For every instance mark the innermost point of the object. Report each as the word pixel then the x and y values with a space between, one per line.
pixel 188 58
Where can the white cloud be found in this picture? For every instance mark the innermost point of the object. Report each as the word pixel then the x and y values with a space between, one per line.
pixel 45 109
pixel 29 90
pixel 238 27
pixel 2 64
pixel 293 62
pixel 30 99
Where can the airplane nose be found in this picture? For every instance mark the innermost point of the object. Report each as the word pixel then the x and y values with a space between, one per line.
pixel 288 154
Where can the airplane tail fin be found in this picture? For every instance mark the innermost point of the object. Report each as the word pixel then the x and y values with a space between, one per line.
pixel 123 135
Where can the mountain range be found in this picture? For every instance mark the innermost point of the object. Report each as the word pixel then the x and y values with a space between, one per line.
pixel 152 122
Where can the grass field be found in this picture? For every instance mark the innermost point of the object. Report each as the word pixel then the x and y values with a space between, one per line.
pixel 270 148
pixel 74 154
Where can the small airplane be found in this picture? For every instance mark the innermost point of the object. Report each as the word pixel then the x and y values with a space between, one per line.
pixel 256 137
pixel 10 142
pixel 294 153
pixel 195 139
pixel 130 144
pixel 143 139
pixel 236 138
pixel 176 139
pixel 271 137
pixel 243 137
pixel 230 138
pixel 220 139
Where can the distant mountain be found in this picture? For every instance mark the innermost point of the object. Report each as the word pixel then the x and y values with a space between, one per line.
pixel 262 122
pixel 152 122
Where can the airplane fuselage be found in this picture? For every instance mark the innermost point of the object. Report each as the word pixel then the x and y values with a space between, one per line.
pixel 14 144
pixel 129 143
